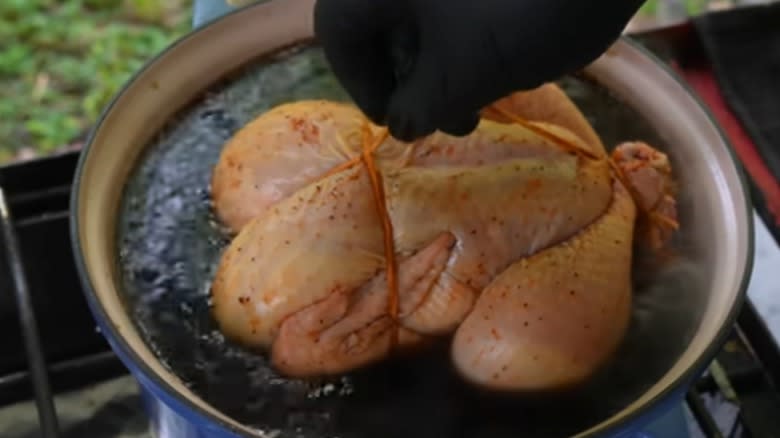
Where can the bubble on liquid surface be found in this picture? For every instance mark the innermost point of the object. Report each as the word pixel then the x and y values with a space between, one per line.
pixel 170 242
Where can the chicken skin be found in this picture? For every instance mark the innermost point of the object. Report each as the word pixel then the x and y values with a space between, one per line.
pixel 515 240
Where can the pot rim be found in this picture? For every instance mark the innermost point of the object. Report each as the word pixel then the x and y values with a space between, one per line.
pixel 161 388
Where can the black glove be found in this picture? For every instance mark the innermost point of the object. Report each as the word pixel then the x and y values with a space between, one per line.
pixel 423 65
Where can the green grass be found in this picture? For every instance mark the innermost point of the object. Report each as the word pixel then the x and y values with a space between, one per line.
pixel 649 7
pixel 61 61
pixel 692 7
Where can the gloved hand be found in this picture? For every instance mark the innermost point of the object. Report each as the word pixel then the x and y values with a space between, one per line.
pixel 423 65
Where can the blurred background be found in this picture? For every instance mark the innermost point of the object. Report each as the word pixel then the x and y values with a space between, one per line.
pixel 61 61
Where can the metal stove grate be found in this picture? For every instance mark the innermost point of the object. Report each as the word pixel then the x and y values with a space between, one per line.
pixel 37 364
pixel 50 342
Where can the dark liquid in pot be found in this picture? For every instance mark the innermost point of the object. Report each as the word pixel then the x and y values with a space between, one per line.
pixel 170 244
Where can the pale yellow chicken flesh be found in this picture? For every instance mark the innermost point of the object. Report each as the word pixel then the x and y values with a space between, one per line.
pixel 517 239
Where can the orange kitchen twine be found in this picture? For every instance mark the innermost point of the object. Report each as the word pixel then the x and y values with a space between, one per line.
pixel 370 144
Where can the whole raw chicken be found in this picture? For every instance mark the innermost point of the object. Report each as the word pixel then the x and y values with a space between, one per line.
pixel 517 239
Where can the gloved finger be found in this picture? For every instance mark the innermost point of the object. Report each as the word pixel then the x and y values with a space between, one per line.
pixel 406 127
pixel 352 34
pixel 444 89
pixel 460 126
pixel 414 108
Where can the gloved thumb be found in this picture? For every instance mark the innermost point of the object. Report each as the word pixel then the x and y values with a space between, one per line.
pixel 353 36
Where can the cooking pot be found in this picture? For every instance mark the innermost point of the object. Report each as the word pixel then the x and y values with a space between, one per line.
pixel 146 245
